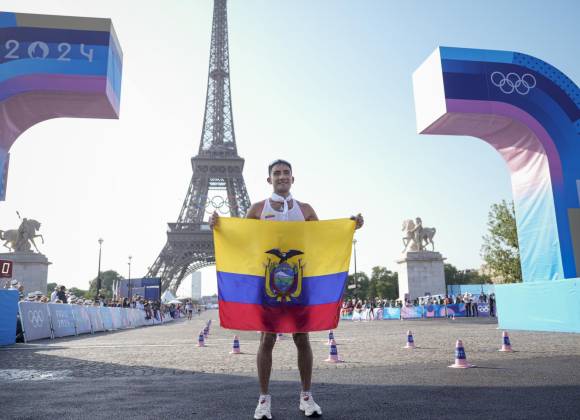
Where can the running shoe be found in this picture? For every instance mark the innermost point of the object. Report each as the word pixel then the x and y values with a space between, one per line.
pixel 307 404
pixel 263 410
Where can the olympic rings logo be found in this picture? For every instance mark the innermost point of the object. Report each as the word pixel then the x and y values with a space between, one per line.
pixel 36 318
pixel 483 308
pixel 513 82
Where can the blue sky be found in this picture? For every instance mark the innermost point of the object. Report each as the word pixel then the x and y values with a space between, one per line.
pixel 324 84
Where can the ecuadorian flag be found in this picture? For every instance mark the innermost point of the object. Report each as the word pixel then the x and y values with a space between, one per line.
pixel 281 276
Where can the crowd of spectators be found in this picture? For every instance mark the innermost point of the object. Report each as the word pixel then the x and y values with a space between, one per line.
pixel 370 306
pixel 152 308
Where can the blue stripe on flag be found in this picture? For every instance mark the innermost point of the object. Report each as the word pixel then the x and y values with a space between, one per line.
pixel 244 288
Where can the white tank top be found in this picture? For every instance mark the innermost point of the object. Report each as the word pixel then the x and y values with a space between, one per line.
pixel 294 214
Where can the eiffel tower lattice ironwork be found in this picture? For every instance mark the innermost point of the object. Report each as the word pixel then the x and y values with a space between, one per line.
pixel 217 169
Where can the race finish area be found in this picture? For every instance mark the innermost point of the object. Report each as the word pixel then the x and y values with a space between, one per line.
pixel 160 373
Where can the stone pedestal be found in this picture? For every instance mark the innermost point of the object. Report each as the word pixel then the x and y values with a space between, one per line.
pixel 420 273
pixel 29 268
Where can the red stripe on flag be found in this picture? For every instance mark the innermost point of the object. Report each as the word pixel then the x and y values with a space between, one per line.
pixel 279 319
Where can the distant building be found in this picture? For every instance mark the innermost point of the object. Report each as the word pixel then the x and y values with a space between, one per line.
pixel 190 287
pixel 196 285
pixel 206 300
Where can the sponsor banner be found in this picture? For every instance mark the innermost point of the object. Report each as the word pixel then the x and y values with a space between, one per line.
pixel 35 320
pixel 82 319
pixel 107 318
pixel 483 309
pixel 457 309
pixel 409 312
pixel 96 318
pixel 391 313
pixel 8 313
pixel 435 311
pixel 62 319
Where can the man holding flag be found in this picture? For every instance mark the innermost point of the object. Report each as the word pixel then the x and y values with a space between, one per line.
pixel 278 277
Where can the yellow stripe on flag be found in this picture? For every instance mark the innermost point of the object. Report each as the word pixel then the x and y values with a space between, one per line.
pixel 240 244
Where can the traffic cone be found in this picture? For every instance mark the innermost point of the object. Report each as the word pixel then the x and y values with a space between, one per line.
pixel 410 342
pixel 330 337
pixel 460 357
pixel 333 356
pixel 506 345
pixel 236 346
pixel 201 340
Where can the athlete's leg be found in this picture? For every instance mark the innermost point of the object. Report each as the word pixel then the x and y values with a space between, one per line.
pixel 302 342
pixel 267 341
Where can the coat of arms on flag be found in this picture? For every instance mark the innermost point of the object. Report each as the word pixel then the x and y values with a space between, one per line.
pixel 281 276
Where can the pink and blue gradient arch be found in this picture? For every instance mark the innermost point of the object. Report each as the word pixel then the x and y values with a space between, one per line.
pixel 530 113
pixel 54 66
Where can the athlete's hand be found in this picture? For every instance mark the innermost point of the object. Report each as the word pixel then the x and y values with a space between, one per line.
pixel 213 220
pixel 359 220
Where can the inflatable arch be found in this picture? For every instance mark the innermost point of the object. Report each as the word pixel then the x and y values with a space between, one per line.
pixel 54 66
pixel 530 113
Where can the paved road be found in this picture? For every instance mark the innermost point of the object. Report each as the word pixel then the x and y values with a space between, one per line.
pixel 157 372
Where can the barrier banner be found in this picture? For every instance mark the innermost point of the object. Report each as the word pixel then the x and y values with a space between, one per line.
pixel 125 322
pixel 82 320
pixel 62 319
pixel 131 315
pixel 435 311
pixel 35 320
pixel 141 317
pixel 116 318
pixel 457 309
pixel 483 309
pixel 8 311
pixel 107 318
pixel 391 313
pixel 148 321
pixel 409 312
pixel 94 313
pixel 346 316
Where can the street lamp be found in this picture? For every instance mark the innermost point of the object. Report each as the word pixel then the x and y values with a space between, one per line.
pixel 99 272
pixel 130 285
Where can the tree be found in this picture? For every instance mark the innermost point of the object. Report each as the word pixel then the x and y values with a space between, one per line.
pixel 455 276
pixel 107 280
pixel 450 274
pixel 384 284
pixel 500 249
pixel 78 292
pixel 362 286
pixel 50 287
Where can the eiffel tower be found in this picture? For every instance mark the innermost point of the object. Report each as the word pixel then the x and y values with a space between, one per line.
pixel 217 181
